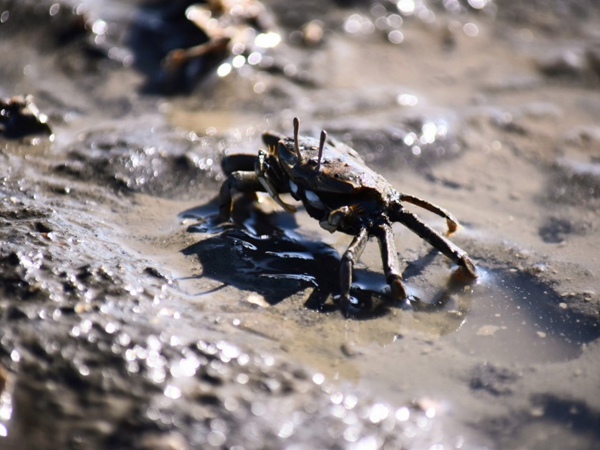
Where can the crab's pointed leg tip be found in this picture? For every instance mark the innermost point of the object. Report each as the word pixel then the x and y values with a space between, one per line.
pixel 470 268
pixel 453 227
pixel 398 290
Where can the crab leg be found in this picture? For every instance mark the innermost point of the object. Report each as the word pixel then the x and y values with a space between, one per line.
pixel 350 257
pixel 452 251
pixel 450 219
pixel 175 59
pixel 385 236
pixel 237 181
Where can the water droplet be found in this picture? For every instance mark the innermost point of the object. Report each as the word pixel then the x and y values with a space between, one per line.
pixel 395 37
pixel 318 378
pixel 99 27
pixel 470 29
pixel 238 61
pixel 406 7
pixel 172 392
pixel 403 414
pixel 254 58
pixel 228 351
pixel 267 40
pixel 54 9
pixel 337 398
pixel 259 87
pixel 478 4
pixel 258 409
pixel 5 406
pixel 15 356
pixel 216 438
pixel 407 100
pixel 231 404
pixel 352 24
pixel 286 430
pixel 224 70
pixel 350 401
pixel 84 370
pixel 366 443
pixel 430 412
pixel 379 412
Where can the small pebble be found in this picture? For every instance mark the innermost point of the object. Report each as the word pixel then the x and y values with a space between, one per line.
pixel 258 300
pixel 350 349
pixel 537 412
pixel 568 62
pixel 515 196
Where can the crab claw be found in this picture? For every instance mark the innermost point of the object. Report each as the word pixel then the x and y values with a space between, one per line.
pixel 273 193
pixel 334 219
pixel 327 226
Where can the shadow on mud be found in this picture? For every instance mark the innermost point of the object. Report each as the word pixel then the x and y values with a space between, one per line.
pixel 262 253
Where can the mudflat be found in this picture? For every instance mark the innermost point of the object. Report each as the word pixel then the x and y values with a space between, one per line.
pixel 129 319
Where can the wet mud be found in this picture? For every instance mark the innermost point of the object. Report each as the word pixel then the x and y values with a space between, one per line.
pixel 131 319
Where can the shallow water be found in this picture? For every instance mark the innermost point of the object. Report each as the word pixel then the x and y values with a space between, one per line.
pixel 515 319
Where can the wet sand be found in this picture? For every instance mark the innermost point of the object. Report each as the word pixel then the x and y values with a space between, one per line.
pixel 128 320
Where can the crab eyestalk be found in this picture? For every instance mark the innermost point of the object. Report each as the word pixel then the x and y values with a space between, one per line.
pixel 296 144
pixel 321 146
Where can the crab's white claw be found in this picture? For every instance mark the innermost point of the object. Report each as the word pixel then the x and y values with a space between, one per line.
pixel 335 217
pixel 327 226
pixel 273 193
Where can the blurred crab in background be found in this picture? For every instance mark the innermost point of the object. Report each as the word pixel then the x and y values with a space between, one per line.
pixel 238 28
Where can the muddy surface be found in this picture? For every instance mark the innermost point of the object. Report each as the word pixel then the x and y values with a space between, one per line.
pixel 130 320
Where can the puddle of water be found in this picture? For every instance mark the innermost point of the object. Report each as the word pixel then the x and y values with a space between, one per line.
pixel 514 319
pixel 214 121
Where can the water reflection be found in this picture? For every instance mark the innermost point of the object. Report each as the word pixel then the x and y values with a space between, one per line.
pixel 515 318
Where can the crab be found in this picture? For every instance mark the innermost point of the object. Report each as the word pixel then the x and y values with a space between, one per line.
pixel 238 26
pixel 339 190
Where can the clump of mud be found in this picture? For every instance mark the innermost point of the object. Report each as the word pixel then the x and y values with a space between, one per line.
pixel 20 117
